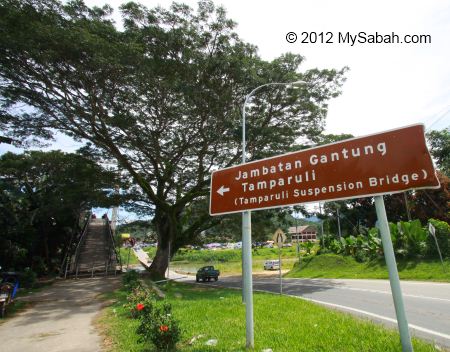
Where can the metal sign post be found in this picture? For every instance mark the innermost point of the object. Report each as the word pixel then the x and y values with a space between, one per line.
pixel 393 275
pixel 279 270
pixel 279 238
pixel 247 276
pixel 432 231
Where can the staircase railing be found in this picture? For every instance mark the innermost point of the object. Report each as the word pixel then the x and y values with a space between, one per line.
pixel 116 252
pixel 67 261
pixel 80 244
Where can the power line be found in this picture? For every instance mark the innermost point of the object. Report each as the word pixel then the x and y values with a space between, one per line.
pixel 439 118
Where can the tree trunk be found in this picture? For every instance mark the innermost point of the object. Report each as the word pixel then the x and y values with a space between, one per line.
pixel 160 262
pixel 166 229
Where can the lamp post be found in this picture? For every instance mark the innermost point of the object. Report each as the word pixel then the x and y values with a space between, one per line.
pixel 246 233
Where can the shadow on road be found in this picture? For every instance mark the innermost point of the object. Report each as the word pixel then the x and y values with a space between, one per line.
pixel 67 298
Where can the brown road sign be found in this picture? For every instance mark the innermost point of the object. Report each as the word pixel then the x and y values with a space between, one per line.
pixel 386 162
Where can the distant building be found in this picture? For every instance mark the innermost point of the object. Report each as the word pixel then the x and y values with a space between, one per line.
pixel 303 233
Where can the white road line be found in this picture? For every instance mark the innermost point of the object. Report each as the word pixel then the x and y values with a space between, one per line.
pixel 287 284
pixel 412 326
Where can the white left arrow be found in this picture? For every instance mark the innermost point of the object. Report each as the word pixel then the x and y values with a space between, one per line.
pixel 222 190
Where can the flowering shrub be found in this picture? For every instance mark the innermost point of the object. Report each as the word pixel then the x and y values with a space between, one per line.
pixel 137 300
pixel 158 326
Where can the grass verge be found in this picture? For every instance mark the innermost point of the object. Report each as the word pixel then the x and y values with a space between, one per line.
pixel 340 267
pixel 281 324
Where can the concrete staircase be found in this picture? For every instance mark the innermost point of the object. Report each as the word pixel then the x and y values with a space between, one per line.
pixel 96 253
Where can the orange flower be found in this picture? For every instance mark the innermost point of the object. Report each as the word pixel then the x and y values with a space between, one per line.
pixel 139 306
pixel 164 328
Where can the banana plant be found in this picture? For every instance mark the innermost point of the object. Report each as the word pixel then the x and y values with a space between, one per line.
pixel 415 237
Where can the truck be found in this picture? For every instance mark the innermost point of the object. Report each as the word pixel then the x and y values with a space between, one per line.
pixel 207 273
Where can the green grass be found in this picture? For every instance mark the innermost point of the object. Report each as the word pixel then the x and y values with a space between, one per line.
pixel 225 255
pixel 281 324
pixel 124 256
pixel 337 266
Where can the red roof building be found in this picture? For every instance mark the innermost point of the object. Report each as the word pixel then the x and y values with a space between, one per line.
pixel 303 233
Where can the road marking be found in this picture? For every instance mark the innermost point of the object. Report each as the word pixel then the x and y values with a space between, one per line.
pixel 412 326
pixel 287 284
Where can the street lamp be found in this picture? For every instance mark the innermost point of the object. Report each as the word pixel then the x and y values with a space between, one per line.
pixel 246 232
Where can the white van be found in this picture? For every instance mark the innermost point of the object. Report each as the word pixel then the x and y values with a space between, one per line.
pixel 272 265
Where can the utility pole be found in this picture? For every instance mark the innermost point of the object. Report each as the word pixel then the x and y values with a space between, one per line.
pixel 339 222
pixel 408 213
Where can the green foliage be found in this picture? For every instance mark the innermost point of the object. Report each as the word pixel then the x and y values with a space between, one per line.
pixel 415 237
pixel 409 239
pixel 308 246
pixel 27 278
pixel 440 149
pixel 139 295
pixel 130 280
pixel 142 229
pixel 42 195
pixel 158 326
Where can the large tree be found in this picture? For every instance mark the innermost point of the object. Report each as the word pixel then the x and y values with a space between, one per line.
pixel 42 195
pixel 162 97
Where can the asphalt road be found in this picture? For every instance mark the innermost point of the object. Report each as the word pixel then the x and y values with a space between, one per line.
pixel 427 304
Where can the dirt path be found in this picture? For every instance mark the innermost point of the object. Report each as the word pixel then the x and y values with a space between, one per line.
pixel 60 319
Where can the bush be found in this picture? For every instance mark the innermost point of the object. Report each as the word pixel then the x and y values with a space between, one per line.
pixel 361 256
pixel 38 265
pixel 28 278
pixel 139 295
pixel 157 325
pixel 130 280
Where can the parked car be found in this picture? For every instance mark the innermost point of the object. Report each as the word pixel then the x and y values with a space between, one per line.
pixel 207 273
pixel 272 265
pixel 268 244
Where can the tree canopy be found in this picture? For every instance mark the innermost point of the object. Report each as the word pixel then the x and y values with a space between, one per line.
pixel 162 97
pixel 42 196
pixel 440 149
